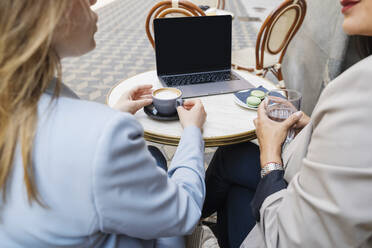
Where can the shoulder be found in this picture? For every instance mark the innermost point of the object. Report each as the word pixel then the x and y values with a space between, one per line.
pixel 357 75
pixel 79 114
pixel 341 118
pixel 349 89
pixel 72 132
pixel 73 125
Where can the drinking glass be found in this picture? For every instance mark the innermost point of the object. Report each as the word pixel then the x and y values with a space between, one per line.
pixel 281 103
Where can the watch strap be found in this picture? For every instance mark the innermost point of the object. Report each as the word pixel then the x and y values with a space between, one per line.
pixel 271 166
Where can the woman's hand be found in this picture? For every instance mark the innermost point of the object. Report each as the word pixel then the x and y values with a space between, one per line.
pixel 192 113
pixel 272 134
pixel 301 123
pixel 133 100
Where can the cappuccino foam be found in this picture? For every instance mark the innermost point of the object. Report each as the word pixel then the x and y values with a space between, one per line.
pixel 166 95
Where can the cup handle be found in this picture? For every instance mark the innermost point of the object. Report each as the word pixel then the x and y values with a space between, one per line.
pixel 179 102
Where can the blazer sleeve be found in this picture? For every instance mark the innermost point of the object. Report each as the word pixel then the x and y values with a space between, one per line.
pixel 133 196
pixel 328 202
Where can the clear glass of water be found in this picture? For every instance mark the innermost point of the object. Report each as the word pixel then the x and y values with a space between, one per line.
pixel 281 103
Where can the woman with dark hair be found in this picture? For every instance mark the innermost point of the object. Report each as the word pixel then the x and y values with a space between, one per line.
pixel 317 191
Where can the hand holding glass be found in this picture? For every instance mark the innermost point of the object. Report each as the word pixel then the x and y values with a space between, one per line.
pixel 282 103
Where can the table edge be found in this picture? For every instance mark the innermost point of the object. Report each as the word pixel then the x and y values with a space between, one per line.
pixel 209 142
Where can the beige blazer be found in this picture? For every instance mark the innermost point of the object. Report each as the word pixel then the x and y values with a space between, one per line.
pixel 328 202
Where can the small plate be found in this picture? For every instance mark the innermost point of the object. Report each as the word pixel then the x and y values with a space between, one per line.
pixel 153 114
pixel 242 104
pixel 239 97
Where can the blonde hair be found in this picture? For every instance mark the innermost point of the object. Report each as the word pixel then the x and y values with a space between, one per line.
pixel 27 66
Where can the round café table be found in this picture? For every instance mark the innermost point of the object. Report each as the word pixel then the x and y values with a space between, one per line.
pixel 227 123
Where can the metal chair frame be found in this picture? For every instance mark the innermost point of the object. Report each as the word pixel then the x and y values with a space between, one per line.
pixel 164 8
pixel 265 33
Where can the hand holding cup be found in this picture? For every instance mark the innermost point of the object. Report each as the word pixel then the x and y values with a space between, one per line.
pixel 134 99
pixel 192 113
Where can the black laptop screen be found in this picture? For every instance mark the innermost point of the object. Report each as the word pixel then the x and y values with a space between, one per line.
pixel 192 44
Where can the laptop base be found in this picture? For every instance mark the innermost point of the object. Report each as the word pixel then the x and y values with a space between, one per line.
pixel 214 88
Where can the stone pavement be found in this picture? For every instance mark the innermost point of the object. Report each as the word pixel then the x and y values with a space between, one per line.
pixel 124 51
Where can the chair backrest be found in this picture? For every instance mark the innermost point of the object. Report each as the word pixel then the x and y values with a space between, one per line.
pixel 218 4
pixel 170 8
pixel 278 30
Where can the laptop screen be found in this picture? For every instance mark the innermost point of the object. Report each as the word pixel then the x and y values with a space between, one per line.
pixel 192 44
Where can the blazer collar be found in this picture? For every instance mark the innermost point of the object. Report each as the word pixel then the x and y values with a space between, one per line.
pixel 65 90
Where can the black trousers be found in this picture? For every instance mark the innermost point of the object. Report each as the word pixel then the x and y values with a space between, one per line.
pixel 159 157
pixel 231 181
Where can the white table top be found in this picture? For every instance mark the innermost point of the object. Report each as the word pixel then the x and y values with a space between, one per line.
pixel 227 123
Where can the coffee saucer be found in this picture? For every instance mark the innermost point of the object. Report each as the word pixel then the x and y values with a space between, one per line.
pixel 154 114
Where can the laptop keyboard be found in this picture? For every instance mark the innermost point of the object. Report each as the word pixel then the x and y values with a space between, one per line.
pixel 199 78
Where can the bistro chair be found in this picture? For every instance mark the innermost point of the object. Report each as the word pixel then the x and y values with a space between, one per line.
pixel 170 8
pixel 218 4
pixel 272 41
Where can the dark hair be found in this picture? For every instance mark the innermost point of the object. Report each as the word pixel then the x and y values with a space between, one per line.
pixel 363 45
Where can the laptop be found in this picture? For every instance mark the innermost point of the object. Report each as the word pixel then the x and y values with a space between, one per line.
pixel 193 54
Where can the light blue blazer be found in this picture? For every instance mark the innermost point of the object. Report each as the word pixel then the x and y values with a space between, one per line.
pixel 100 184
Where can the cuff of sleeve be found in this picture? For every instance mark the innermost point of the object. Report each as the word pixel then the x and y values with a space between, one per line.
pixel 269 184
pixel 191 147
pixel 191 129
pixel 190 134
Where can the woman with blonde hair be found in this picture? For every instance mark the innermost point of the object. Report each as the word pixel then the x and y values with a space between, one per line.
pixel 75 173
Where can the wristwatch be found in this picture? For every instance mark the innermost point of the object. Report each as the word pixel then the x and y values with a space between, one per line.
pixel 270 167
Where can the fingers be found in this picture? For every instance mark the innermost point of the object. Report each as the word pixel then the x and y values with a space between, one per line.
pixel 141 91
pixel 279 100
pixel 137 91
pixel 142 88
pixel 265 102
pixel 181 110
pixel 185 107
pixel 190 104
pixel 303 121
pixel 299 124
pixel 261 111
pixel 255 122
pixel 197 103
pixel 291 120
pixel 276 99
pixel 143 97
pixel 138 104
